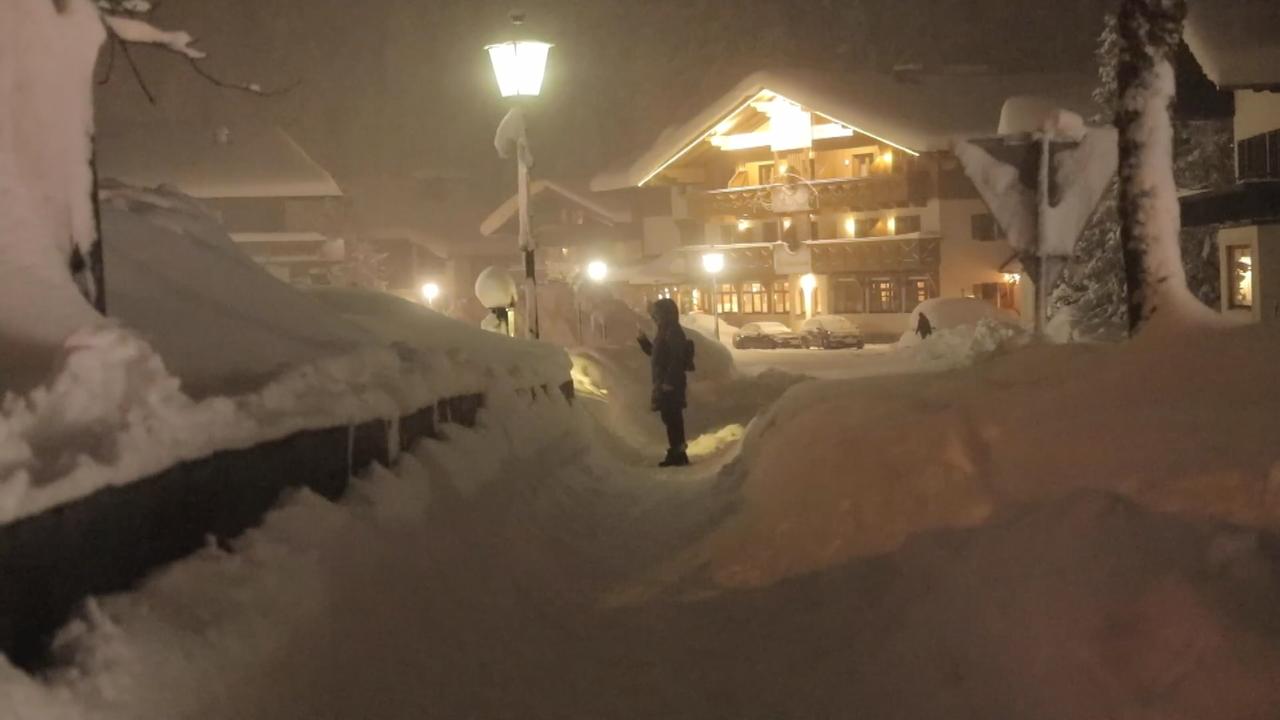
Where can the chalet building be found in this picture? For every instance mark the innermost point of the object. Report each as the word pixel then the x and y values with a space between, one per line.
pixel 572 227
pixel 276 202
pixel 847 179
pixel 1236 42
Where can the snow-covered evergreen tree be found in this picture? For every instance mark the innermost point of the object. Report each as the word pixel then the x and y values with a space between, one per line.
pixel 1093 287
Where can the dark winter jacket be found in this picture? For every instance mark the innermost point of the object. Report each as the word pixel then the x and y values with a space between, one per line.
pixel 924 328
pixel 670 356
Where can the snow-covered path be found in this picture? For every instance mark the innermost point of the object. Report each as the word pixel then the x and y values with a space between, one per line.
pixel 540 568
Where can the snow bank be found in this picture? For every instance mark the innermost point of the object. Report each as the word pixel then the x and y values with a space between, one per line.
pixel 953 313
pixel 842 469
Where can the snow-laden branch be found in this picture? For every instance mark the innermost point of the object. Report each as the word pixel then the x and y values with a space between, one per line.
pixel 140 31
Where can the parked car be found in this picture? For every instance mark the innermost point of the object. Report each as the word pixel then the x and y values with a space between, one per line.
pixel 831 331
pixel 767 336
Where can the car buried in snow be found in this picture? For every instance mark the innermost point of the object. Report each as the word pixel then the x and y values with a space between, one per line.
pixel 829 332
pixel 767 336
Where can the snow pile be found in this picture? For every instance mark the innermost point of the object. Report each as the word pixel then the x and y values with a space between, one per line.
pixel 225 324
pixel 885 459
pixel 46 185
pixel 964 330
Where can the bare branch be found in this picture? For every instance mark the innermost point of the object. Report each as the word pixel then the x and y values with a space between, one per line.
pixel 253 88
pixel 124 48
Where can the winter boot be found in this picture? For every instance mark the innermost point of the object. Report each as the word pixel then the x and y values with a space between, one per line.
pixel 675 458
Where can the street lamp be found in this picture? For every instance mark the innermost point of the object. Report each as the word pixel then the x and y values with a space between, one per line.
pixel 430 291
pixel 808 283
pixel 713 263
pixel 520 66
pixel 597 272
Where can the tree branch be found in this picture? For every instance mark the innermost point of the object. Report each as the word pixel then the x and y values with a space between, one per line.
pixel 252 88
pixel 128 56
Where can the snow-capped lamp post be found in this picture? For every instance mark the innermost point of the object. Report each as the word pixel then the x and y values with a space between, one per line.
pixel 496 290
pixel 430 291
pixel 597 272
pixel 713 263
pixel 519 66
pixel 808 283
pixel 1043 176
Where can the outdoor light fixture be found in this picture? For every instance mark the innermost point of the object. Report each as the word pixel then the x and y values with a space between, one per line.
pixel 713 263
pixel 850 226
pixel 430 291
pixel 1012 278
pixel 519 66
pixel 808 283
pixel 887 157
pixel 743 226
pixel 892 225
pixel 597 270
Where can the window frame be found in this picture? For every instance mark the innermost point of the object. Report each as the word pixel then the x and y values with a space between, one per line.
pixel 754 297
pixel 843 287
pixel 1234 276
pixel 726 298
pixel 881 289
pixel 780 290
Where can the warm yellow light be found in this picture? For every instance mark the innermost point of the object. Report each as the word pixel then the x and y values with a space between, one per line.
pixel 519 66
pixel 786 223
pixel 597 270
pixel 783 167
pixel 744 225
pixel 850 226
pixel 808 282
pixel 713 263
pixel 430 291
pixel 892 224
pixel 887 157
pixel 1012 278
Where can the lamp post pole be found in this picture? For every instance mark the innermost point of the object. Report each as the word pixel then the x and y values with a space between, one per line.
pixel 713 263
pixel 526 243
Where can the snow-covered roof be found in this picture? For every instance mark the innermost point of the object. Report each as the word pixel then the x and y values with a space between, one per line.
pixel 507 210
pixel 1236 41
pixel 921 113
pixel 225 162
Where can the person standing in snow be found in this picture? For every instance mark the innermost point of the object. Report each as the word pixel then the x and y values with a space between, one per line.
pixel 924 328
pixel 670 357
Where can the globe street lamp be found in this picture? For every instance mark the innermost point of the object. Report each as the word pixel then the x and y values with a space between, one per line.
pixel 713 263
pixel 430 291
pixel 520 66
pixel 808 283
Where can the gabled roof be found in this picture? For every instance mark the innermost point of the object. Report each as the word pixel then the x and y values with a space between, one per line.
pixel 225 162
pixel 1236 41
pixel 597 206
pixel 920 114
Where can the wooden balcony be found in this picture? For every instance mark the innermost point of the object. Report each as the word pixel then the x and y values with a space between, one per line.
pixel 876 192
pixel 892 254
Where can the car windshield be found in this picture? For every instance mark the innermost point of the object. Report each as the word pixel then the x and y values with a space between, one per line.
pixel 831 322
pixel 773 328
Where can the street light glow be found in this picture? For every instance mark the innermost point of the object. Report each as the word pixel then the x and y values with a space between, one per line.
pixel 519 66
pixel 713 263
pixel 430 291
pixel 597 270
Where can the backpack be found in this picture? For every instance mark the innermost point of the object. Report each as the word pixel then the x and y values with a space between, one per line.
pixel 688 355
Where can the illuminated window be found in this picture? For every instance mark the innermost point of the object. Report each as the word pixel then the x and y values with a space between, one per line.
pixel 755 298
pixel 781 296
pixel 919 289
pixel 1240 269
pixel 727 298
pixel 846 294
pixel 884 296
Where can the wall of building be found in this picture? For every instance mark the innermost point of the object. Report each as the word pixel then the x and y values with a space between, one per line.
pixel 966 261
pixel 1256 113
pixel 1266 275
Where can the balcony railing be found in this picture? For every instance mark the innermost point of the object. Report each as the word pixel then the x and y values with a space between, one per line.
pixel 875 192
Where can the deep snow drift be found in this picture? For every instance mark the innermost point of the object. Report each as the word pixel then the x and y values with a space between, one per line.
pixel 522 570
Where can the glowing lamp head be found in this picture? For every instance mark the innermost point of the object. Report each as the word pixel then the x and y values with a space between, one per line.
pixel 597 270
pixel 887 157
pixel 430 291
pixel 744 225
pixel 1012 278
pixel 519 66
pixel 713 263
pixel 808 282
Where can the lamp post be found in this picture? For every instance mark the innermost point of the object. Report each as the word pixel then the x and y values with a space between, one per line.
pixel 519 66
pixel 808 283
pixel 597 272
pixel 713 263
pixel 430 291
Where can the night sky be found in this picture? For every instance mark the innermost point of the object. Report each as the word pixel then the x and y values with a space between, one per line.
pixel 396 87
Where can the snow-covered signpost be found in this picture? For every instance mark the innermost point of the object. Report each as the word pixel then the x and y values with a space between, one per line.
pixel 1042 177
pixel 519 66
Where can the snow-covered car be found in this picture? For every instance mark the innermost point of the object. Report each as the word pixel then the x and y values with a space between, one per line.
pixel 767 336
pixel 831 331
